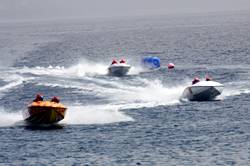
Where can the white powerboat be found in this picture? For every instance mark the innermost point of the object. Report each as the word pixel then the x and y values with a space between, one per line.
pixel 203 91
pixel 120 69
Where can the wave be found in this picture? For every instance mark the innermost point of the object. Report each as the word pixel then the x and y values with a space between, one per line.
pixel 9 119
pixel 119 90
pixel 11 85
pixel 101 114
pixel 12 81
pixel 235 89
pixel 83 68
pixel 97 114
pixel 79 70
pixel 148 94
pixel 142 93
pixel 118 93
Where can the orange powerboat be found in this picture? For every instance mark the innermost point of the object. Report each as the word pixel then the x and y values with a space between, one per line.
pixel 44 112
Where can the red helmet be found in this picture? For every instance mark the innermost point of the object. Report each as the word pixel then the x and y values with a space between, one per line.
pixel 123 61
pixel 39 97
pixel 208 78
pixel 55 99
pixel 114 62
pixel 195 80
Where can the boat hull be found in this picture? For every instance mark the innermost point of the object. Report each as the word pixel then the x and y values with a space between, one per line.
pixel 41 114
pixel 202 92
pixel 118 70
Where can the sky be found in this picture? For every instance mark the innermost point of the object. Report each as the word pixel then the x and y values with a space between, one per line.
pixel 52 9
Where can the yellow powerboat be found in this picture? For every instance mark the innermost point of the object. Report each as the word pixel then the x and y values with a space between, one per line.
pixel 44 112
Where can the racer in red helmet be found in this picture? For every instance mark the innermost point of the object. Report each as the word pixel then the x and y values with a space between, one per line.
pixel 39 97
pixel 208 78
pixel 195 80
pixel 123 61
pixel 114 62
pixel 55 99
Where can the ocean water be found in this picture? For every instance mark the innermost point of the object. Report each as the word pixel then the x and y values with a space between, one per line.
pixel 133 120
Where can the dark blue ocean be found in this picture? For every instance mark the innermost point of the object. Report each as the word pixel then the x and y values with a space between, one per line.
pixel 133 120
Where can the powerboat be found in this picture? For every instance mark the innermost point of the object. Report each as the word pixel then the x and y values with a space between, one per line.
pixel 120 69
pixel 44 112
pixel 203 91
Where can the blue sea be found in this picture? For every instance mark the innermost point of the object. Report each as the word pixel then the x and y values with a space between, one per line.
pixel 133 120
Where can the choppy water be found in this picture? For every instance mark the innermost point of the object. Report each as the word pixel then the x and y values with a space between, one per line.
pixel 132 120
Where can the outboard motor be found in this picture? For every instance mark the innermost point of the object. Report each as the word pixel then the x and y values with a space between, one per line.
pixel 151 62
